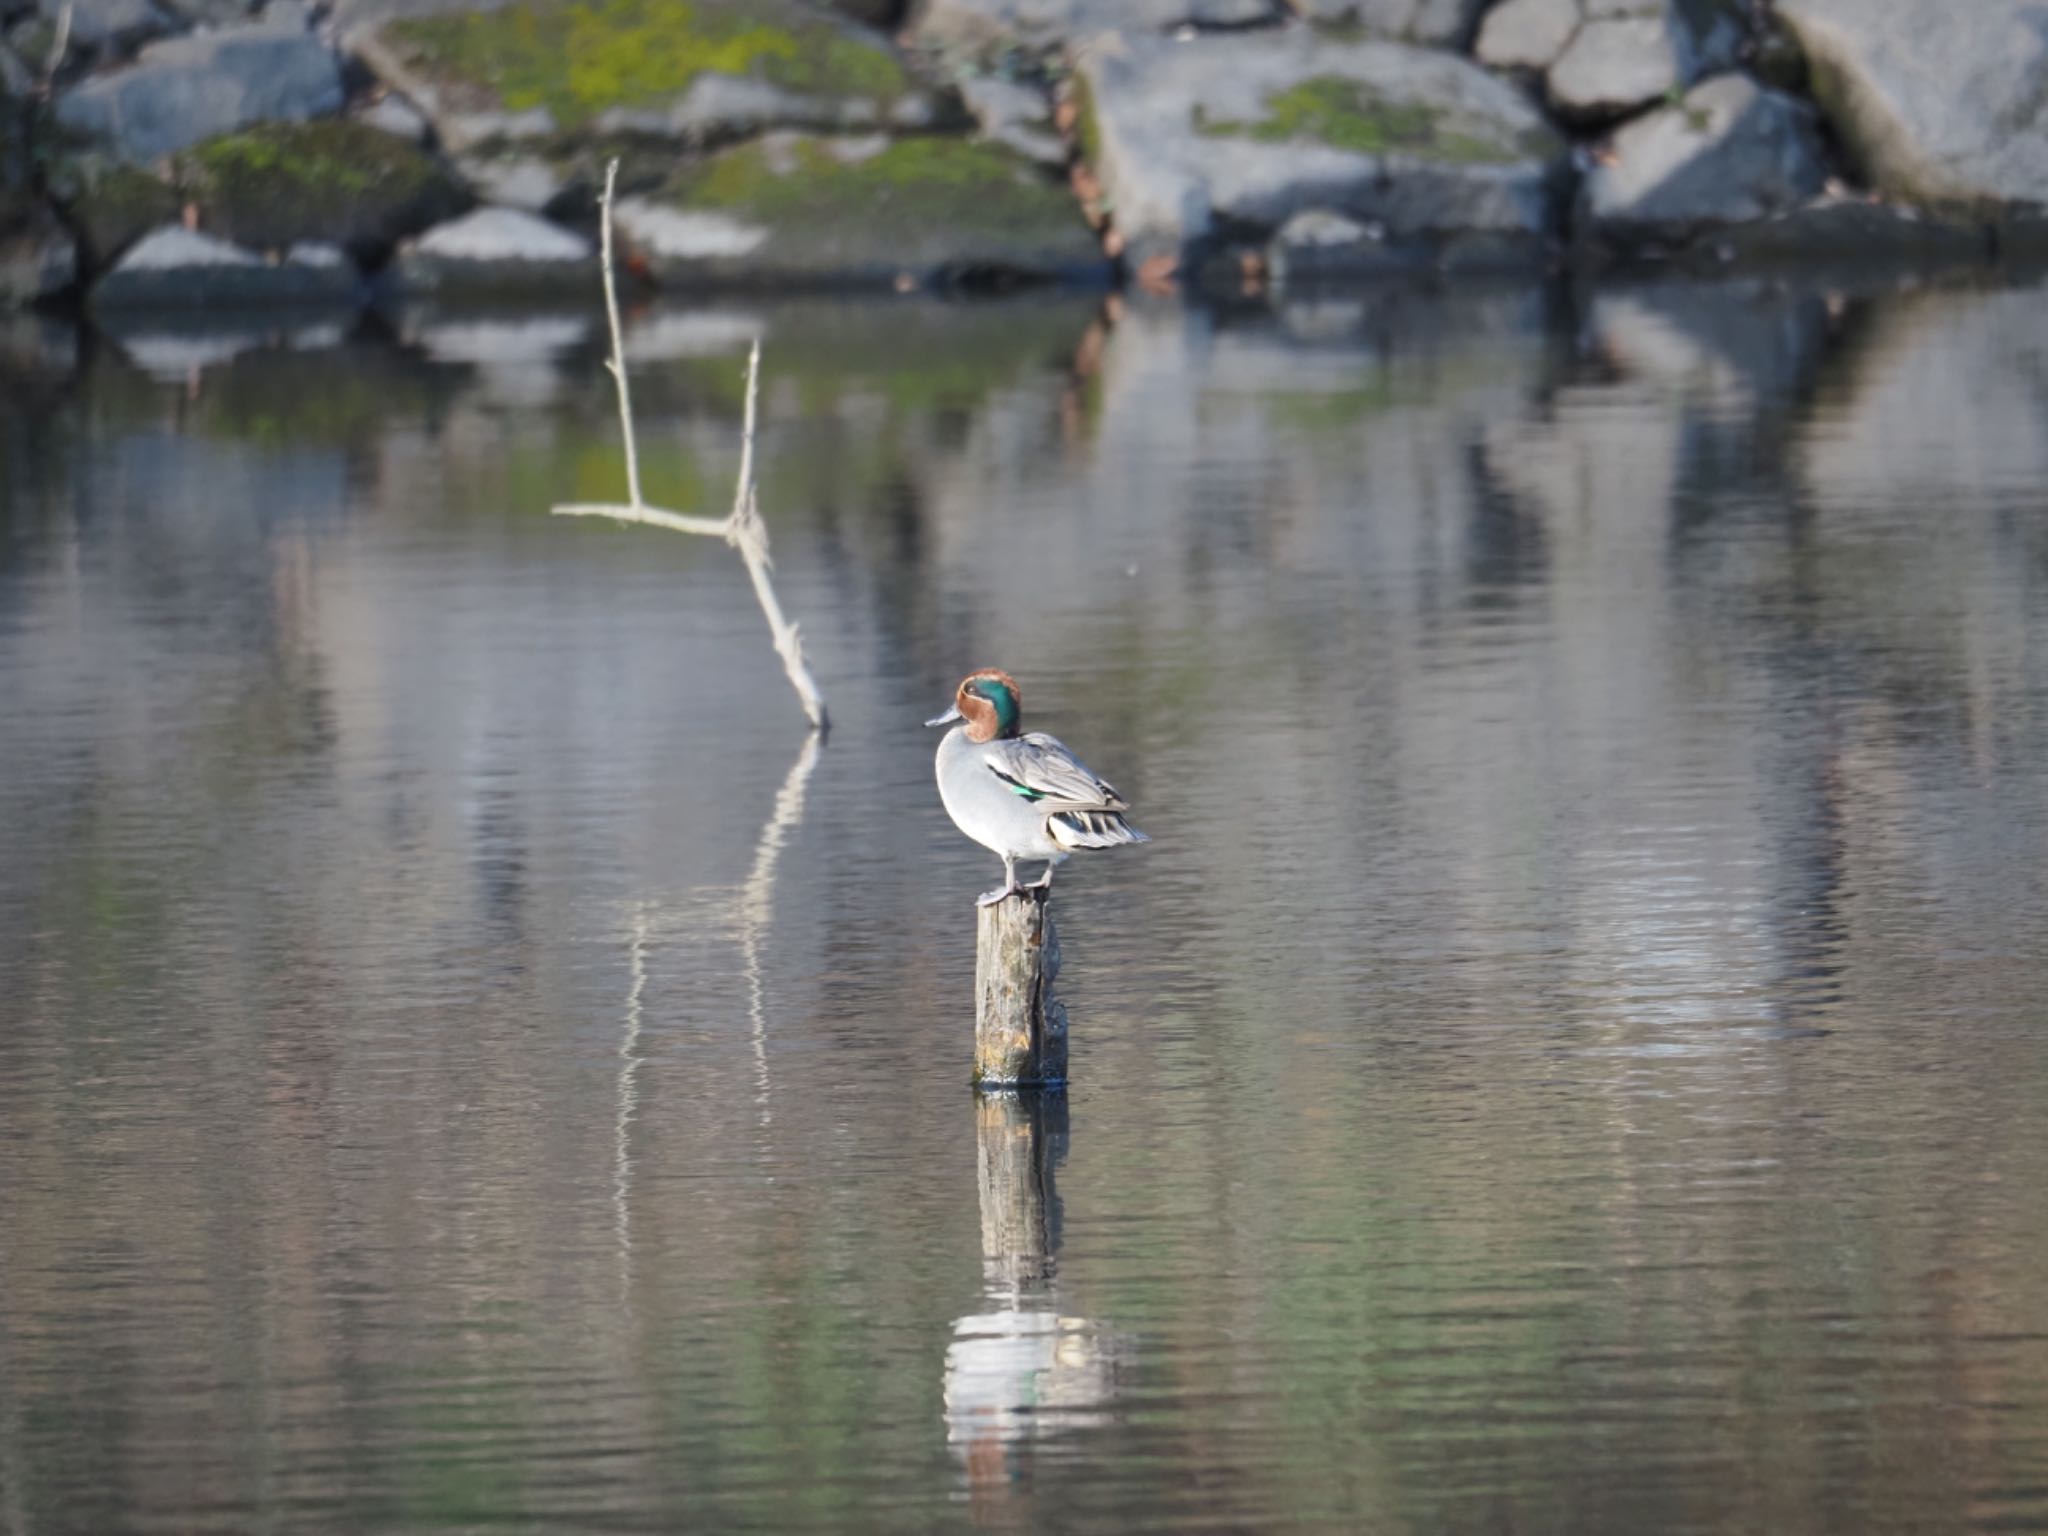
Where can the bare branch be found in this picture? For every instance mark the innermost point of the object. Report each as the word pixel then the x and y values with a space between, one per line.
pixel 742 528
pixel 654 517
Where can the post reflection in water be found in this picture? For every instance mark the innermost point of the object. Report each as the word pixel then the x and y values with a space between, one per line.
pixel 1021 1370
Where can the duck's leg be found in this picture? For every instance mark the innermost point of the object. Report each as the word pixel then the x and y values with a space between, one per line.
pixel 1044 881
pixel 990 898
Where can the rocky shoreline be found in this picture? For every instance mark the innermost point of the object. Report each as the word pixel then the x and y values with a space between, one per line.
pixel 214 153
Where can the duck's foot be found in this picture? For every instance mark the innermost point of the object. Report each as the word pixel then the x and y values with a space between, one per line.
pixel 990 898
pixel 1042 883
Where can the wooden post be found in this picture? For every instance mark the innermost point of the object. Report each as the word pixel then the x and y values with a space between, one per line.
pixel 1020 1027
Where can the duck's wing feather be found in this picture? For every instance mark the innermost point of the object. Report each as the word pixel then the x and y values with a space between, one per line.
pixel 1039 768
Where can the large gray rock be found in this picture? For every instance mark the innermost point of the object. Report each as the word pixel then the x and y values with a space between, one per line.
pixel 108 25
pixel 1939 101
pixel 1434 23
pixel 977 24
pixel 177 268
pixel 1527 34
pixel 1730 152
pixel 192 88
pixel 1193 140
pixel 1601 59
pixel 498 253
pixel 540 72
pixel 1614 64
pixel 842 212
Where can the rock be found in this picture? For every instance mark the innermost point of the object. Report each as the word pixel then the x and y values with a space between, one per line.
pixel 1317 245
pixel 1614 65
pixel 38 258
pixel 175 267
pixel 694 71
pixel 1839 235
pixel 1191 140
pixel 498 253
pixel 879 14
pixel 1016 115
pixel 1730 152
pixel 398 117
pixel 16 82
pixel 1938 103
pixel 1526 34
pixel 1047 24
pixel 525 182
pixel 209 13
pixel 108 26
pixel 793 210
pixel 334 181
pixel 1432 23
pixel 192 88
pixel 110 204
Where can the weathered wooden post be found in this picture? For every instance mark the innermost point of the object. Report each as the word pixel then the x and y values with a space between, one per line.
pixel 1020 1027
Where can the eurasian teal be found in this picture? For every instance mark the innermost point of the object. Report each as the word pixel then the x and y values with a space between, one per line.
pixel 1026 797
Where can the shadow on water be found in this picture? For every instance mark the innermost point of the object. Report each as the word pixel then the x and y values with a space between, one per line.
pixel 1021 1372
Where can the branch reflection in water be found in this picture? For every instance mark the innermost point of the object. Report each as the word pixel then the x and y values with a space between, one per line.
pixel 749 916
pixel 1021 1371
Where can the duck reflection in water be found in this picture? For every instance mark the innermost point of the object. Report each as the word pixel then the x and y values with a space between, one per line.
pixel 1021 1371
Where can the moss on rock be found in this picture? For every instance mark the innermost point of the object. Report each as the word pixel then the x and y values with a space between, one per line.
pixel 108 203
pixel 1349 115
pixel 577 58
pixel 330 180
pixel 839 211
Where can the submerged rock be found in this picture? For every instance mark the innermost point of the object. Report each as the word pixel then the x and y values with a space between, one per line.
pixel 694 71
pixel 794 210
pixel 175 267
pixel 1729 152
pixel 1197 141
pixel 1938 102
pixel 498 252
pixel 192 88
pixel 340 182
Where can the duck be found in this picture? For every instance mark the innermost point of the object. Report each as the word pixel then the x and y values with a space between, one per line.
pixel 1022 795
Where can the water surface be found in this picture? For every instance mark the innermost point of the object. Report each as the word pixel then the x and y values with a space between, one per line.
pixel 1571 1059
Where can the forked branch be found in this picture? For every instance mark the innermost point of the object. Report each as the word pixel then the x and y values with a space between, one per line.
pixel 742 528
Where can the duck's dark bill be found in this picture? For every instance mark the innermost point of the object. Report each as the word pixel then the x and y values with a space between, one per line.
pixel 947 718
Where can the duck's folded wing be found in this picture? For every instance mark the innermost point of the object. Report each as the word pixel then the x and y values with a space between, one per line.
pixel 1039 768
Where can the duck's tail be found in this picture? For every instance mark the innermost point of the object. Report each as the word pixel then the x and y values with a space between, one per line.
pixel 1092 829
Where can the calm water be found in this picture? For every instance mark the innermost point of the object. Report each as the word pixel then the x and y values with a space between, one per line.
pixel 1572 1060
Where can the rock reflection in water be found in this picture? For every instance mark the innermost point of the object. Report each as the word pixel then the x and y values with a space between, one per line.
pixel 1022 1370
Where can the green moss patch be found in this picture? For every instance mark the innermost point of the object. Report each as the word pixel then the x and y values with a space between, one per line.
pixel 578 58
pixel 853 212
pixel 110 204
pixel 918 179
pixel 1348 115
pixel 279 182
